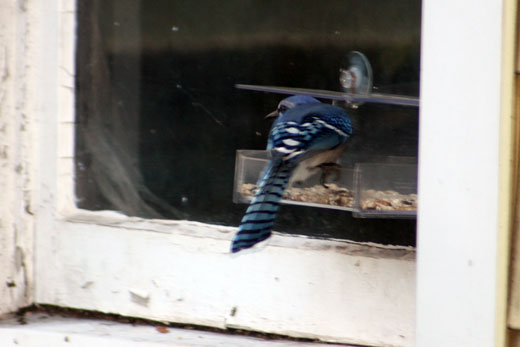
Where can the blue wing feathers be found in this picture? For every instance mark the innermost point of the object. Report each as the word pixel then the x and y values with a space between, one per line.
pixel 323 127
pixel 302 131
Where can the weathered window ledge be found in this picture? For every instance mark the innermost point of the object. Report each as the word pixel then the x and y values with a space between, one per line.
pixel 40 329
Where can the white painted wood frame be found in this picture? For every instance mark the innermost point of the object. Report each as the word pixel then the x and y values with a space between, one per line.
pixel 464 172
pixel 182 271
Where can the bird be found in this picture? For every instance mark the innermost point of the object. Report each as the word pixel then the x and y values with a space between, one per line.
pixel 306 137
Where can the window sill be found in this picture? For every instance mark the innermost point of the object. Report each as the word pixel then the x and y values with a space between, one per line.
pixel 43 330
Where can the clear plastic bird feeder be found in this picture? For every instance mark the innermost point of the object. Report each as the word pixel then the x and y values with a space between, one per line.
pixel 336 194
pixel 369 190
pixel 385 190
pixel 383 187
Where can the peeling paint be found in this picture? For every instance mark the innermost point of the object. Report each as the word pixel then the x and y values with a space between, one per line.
pixel 87 284
pixel 18 259
pixel 22 5
pixel 4 152
pixel 139 297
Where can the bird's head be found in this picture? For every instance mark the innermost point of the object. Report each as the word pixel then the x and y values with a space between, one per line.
pixel 291 102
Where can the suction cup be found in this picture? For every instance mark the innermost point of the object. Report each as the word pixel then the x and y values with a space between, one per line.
pixel 357 78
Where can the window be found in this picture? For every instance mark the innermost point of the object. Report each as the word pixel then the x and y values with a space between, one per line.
pixel 182 271
pixel 157 136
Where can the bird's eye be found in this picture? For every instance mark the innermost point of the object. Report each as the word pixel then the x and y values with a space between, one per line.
pixel 282 108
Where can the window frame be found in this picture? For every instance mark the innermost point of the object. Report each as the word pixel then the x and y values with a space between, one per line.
pixel 467 89
pixel 79 278
pixel 347 278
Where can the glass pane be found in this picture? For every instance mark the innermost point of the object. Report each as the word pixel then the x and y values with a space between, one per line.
pixel 159 119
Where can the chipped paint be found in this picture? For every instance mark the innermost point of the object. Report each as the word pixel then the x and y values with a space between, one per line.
pixel 139 296
pixel 182 271
pixel 16 228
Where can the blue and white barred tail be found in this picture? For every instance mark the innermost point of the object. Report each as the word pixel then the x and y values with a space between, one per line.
pixel 306 134
pixel 258 220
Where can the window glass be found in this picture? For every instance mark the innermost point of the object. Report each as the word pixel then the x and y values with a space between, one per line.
pixel 159 118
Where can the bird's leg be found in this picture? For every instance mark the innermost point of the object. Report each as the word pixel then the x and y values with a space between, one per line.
pixel 326 170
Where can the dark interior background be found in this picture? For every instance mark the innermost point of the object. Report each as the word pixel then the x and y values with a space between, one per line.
pixel 159 118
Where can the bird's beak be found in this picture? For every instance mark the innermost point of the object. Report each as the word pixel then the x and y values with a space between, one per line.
pixel 273 114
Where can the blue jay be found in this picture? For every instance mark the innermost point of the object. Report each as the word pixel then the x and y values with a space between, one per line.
pixel 306 135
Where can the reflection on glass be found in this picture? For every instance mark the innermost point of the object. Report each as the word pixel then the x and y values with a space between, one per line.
pixel 159 119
